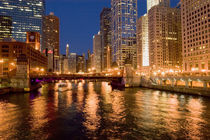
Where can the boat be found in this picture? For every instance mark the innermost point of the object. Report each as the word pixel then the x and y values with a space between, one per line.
pixel 62 85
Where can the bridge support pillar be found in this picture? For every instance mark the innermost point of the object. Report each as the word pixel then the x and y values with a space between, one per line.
pixel 173 83
pixel 205 84
pixel 187 83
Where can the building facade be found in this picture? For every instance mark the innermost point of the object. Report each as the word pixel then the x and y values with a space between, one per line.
pixel 97 51
pixel 124 18
pixel 165 37
pixel 11 50
pixel 151 3
pixel 195 35
pixel 26 16
pixel 105 29
pixel 5 27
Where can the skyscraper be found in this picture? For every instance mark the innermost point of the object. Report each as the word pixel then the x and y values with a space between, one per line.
pixel 143 36
pixel 124 16
pixel 105 29
pixel 26 16
pixel 5 27
pixel 196 35
pixel 165 37
pixel 51 33
pixel 97 51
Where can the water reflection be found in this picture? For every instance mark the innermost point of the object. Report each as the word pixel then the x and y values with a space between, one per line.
pixel 93 110
pixel 92 118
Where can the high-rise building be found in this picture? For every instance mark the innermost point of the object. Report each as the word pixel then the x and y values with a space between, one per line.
pixel 105 29
pixel 196 35
pixel 5 27
pixel 51 33
pixel 142 43
pixel 97 51
pixel 26 16
pixel 143 36
pixel 124 17
pixel 165 37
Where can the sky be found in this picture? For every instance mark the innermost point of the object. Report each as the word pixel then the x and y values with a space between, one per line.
pixel 80 20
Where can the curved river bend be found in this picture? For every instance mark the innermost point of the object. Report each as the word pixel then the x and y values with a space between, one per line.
pixel 92 110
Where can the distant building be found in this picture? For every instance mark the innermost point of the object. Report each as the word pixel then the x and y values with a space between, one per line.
pixel 67 50
pixel 97 51
pixel 80 63
pixel 26 16
pixel 11 50
pixel 49 52
pixel 88 62
pixel 105 29
pixel 5 27
pixel 73 63
pixel 165 37
pixel 124 18
pixel 196 35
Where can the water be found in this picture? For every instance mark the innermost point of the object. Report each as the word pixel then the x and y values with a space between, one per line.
pixel 87 110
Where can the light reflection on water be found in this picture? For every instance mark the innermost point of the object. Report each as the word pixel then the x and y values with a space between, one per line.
pixel 93 110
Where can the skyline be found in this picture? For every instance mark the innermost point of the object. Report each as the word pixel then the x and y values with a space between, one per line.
pixel 81 41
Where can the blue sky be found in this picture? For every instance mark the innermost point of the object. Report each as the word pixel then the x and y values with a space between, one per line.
pixel 79 20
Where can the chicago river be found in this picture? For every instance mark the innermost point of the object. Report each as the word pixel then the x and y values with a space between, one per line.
pixel 93 110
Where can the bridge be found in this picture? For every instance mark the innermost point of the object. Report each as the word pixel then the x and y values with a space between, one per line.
pixel 55 77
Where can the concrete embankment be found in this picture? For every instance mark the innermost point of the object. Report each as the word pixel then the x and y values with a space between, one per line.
pixel 4 90
pixel 19 90
pixel 185 90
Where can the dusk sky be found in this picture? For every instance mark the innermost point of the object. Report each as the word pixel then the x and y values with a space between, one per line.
pixel 80 19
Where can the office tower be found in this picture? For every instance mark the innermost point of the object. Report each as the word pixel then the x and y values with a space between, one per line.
pixel 165 37
pixel 5 27
pixel 51 37
pixel 73 63
pixel 97 51
pixel 67 50
pixel 195 35
pixel 143 36
pixel 142 43
pixel 105 29
pixel 26 16
pixel 124 16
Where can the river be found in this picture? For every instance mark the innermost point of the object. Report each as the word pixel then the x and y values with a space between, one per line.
pixel 93 110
